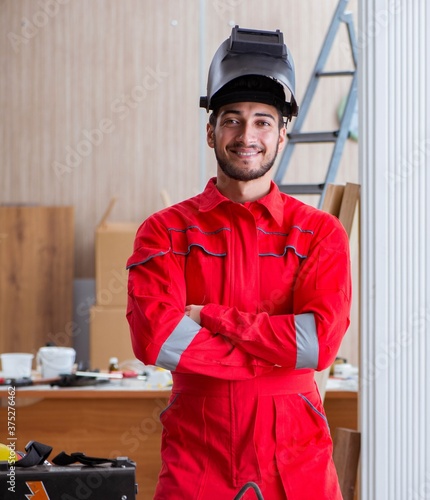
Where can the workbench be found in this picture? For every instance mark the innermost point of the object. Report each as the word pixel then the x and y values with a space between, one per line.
pixel 111 421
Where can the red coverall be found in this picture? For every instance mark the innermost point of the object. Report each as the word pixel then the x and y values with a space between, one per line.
pixel 274 278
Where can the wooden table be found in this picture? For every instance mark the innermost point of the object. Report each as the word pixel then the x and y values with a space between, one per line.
pixel 116 422
pixel 97 422
pixel 341 408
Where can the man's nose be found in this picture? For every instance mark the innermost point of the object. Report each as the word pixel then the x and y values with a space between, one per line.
pixel 246 133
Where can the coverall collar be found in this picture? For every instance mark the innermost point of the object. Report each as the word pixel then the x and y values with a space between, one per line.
pixel 211 198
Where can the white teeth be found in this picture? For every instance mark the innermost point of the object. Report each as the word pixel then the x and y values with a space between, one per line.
pixel 247 154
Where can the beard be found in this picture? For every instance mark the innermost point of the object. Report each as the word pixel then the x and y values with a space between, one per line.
pixel 237 173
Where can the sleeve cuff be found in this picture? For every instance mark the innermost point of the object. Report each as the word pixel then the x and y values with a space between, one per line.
pixel 210 317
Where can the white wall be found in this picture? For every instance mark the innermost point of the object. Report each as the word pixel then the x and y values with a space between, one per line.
pixel 394 46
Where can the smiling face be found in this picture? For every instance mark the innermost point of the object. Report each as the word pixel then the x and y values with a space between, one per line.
pixel 246 139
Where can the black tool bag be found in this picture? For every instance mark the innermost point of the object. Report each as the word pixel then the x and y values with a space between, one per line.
pixel 69 477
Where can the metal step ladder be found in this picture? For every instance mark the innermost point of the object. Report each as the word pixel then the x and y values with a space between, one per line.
pixel 337 137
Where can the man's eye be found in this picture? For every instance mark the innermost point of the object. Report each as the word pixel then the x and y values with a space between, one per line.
pixel 230 121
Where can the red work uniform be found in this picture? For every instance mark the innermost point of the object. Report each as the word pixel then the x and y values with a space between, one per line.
pixel 274 278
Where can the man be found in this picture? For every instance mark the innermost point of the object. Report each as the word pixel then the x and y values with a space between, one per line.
pixel 243 292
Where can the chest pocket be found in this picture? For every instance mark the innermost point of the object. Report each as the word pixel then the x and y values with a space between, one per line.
pixel 211 243
pixel 278 244
pixel 203 257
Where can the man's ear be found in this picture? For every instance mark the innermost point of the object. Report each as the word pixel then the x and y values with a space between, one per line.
pixel 210 135
pixel 282 138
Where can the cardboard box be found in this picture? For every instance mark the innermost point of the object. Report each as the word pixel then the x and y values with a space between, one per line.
pixel 113 246
pixel 109 336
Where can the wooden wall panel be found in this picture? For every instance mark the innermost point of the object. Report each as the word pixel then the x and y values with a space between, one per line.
pixel 100 102
pixel 100 98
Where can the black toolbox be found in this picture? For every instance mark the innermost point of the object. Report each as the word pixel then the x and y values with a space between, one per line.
pixel 72 482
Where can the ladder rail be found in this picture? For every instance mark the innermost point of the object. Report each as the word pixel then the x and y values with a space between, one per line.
pixel 342 136
pixel 352 38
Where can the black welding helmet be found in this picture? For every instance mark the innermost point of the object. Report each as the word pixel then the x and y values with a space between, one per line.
pixel 252 65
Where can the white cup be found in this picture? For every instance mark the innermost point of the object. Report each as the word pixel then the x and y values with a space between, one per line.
pixel 16 364
pixel 343 370
pixel 55 361
pixel 158 378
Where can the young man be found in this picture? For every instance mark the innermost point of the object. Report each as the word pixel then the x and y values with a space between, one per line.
pixel 242 292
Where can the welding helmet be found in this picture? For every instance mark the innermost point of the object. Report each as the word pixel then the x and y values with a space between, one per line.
pixel 252 65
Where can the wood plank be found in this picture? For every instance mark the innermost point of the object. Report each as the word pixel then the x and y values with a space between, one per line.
pixel 346 455
pixel 36 277
pixel 333 199
pixel 349 204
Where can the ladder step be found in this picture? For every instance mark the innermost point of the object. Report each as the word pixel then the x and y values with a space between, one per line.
pixel 301 188
pixel 299 137
pixel 346 72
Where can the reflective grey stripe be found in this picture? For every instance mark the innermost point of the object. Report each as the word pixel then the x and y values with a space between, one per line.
pixel 133 264
pixel 203 248
pixel 307 341
pixel 176 343
pixel 284 252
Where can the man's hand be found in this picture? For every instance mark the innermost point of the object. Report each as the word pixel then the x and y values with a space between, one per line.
pixel 193 312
